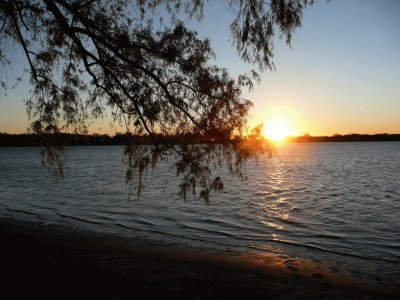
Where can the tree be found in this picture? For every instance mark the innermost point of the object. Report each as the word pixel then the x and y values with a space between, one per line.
pixel 85 57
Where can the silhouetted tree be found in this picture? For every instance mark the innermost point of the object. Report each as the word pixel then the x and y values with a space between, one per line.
pixel 89 56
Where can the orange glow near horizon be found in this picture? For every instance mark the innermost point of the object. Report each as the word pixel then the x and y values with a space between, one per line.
pixel 278 129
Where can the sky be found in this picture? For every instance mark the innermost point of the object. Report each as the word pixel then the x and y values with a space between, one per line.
pixel 341 75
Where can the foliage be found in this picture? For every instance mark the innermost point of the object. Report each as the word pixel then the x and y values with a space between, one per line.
pixel 88 57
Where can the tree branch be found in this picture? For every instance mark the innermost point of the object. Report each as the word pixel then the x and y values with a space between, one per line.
pixel 24 46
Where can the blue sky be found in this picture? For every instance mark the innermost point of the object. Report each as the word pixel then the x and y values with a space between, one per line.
pixel 342 74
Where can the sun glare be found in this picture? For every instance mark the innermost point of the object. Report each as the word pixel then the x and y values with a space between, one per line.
pixel 277 130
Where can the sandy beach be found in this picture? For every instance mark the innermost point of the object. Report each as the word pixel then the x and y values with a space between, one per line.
pixel 45 262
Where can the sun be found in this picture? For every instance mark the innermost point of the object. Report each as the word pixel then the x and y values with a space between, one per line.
pixel 278 130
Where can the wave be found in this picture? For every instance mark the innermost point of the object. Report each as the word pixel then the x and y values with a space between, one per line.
pixel 256 247
pixel 28 212
pixel 80 219
pixel 348 254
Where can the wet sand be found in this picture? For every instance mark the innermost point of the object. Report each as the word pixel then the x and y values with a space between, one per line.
pixel 49 263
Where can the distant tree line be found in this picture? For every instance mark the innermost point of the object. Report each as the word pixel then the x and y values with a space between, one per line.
pixel 33 140
pixel 381 137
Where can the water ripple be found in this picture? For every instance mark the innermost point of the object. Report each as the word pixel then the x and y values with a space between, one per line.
pixel 310 200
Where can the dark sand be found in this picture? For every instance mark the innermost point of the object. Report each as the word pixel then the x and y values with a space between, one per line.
pixel 45 262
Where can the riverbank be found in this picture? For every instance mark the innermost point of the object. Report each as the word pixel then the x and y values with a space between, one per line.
pixel 29 140
pixel 42 261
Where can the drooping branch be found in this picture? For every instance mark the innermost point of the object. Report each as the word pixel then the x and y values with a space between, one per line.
pixel 96 54
pixel 23 44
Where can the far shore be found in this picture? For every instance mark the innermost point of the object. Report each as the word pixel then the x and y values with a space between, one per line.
pixel 40 261
pixel 34 140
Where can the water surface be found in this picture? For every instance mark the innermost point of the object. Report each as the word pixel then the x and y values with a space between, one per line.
pixel 336 204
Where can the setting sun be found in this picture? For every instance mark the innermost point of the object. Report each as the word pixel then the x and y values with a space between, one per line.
pixel 278 130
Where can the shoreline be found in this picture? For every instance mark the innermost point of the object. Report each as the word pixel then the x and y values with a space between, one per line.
pixel 50 263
